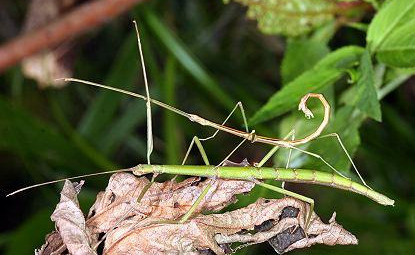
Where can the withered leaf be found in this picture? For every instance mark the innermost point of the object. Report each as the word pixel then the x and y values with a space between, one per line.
pixel 53 245
pixel 327 234
pixel 145 227
pixel 162 201
pixel 70 221
pixel 208 232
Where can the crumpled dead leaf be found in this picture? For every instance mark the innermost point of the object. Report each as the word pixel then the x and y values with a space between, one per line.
pixel 265 220
pixel 53 244
pixel 53 63
pixel 129 227
pixel 163 201
pixel 70 223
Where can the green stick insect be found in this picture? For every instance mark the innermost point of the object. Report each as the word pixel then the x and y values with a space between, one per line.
pixel 254 173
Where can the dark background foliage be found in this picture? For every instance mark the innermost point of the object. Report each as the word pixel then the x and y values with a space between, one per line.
pixel 201 56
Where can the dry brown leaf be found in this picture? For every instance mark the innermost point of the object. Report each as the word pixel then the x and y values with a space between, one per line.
pixel 141 228
pixel 327 234
pixel 70 221
pixel 265 220
pixel 53 245
pixel 163 201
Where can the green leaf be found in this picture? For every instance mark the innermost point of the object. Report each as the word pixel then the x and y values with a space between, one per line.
pixel 398 49
pixel 301 55
pixel 323 74
pixel 342 58
pixel 290 18
pixel 170 119
pixel 391 16
pixel 290 95
pixel 366 99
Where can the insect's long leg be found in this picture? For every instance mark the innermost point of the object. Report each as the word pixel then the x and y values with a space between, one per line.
pixel 291 150
pixel 209 186
pixel 149 135
pixel 148 99
pixel 294 195
pixel 241 107
pixel 347 154
pixel 273 151
pixel 148 109
pixel 320 158
pixel 289 156
pixel 196 140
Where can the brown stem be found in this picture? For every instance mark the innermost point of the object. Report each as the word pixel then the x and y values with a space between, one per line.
pixel 82 19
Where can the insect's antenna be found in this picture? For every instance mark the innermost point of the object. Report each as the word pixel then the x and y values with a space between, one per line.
pixel 61 180
pixel 159 103
pixel 148 103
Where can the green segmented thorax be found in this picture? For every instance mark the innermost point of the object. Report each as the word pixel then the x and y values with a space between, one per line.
pixel 264 173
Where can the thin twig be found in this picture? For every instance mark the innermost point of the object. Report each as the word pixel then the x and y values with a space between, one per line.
pixel 82 19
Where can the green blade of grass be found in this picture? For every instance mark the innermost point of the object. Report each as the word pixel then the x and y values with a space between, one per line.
pixel 40 142
pixel 83 146
pixel 189 62
pixel 170 119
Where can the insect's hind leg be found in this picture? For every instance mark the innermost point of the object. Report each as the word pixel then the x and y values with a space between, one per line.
pixel 273 151
pixel 287 165
pixel 320 158
pixel 210 184
pixel 202 151
pixel 241 107
pixel 198 141
pixel 347 154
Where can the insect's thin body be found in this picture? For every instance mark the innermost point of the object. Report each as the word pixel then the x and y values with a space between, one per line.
pixel 248 173
pixel 267 173
pixel 250 136
pixel 257 172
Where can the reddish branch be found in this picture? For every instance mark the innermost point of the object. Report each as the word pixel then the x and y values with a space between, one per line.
pixel 82 19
